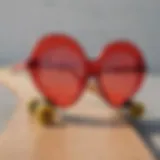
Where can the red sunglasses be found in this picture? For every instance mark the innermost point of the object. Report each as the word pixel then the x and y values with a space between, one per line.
pixel 60 70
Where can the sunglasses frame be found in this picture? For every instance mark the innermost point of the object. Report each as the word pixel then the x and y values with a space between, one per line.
pixel 92 68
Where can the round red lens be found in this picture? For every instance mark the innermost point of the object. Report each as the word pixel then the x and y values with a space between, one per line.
pixel 122 72
pixel 61 72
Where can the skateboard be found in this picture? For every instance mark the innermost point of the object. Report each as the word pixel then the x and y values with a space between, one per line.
pixel 60 70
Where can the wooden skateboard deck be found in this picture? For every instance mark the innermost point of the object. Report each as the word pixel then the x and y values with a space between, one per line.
pixel 92 130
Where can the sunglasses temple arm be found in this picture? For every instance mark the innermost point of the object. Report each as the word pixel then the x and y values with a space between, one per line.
pixel 19 67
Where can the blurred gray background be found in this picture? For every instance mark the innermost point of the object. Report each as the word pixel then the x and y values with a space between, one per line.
pixel 93 23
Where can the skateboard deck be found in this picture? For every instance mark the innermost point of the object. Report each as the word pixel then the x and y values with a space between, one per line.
pixel 92 130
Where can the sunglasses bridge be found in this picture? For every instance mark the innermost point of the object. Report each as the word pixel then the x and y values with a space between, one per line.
pixel 93 68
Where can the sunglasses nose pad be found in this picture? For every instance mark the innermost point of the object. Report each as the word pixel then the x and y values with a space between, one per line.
pixel 92 86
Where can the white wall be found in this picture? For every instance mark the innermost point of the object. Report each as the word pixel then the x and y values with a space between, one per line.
pixel 93 22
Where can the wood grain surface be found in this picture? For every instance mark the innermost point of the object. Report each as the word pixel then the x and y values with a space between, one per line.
pixel 92 131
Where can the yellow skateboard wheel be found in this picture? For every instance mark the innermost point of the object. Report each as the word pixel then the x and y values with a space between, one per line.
pixel 44 114
pixel 33 104
pixel 137 110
